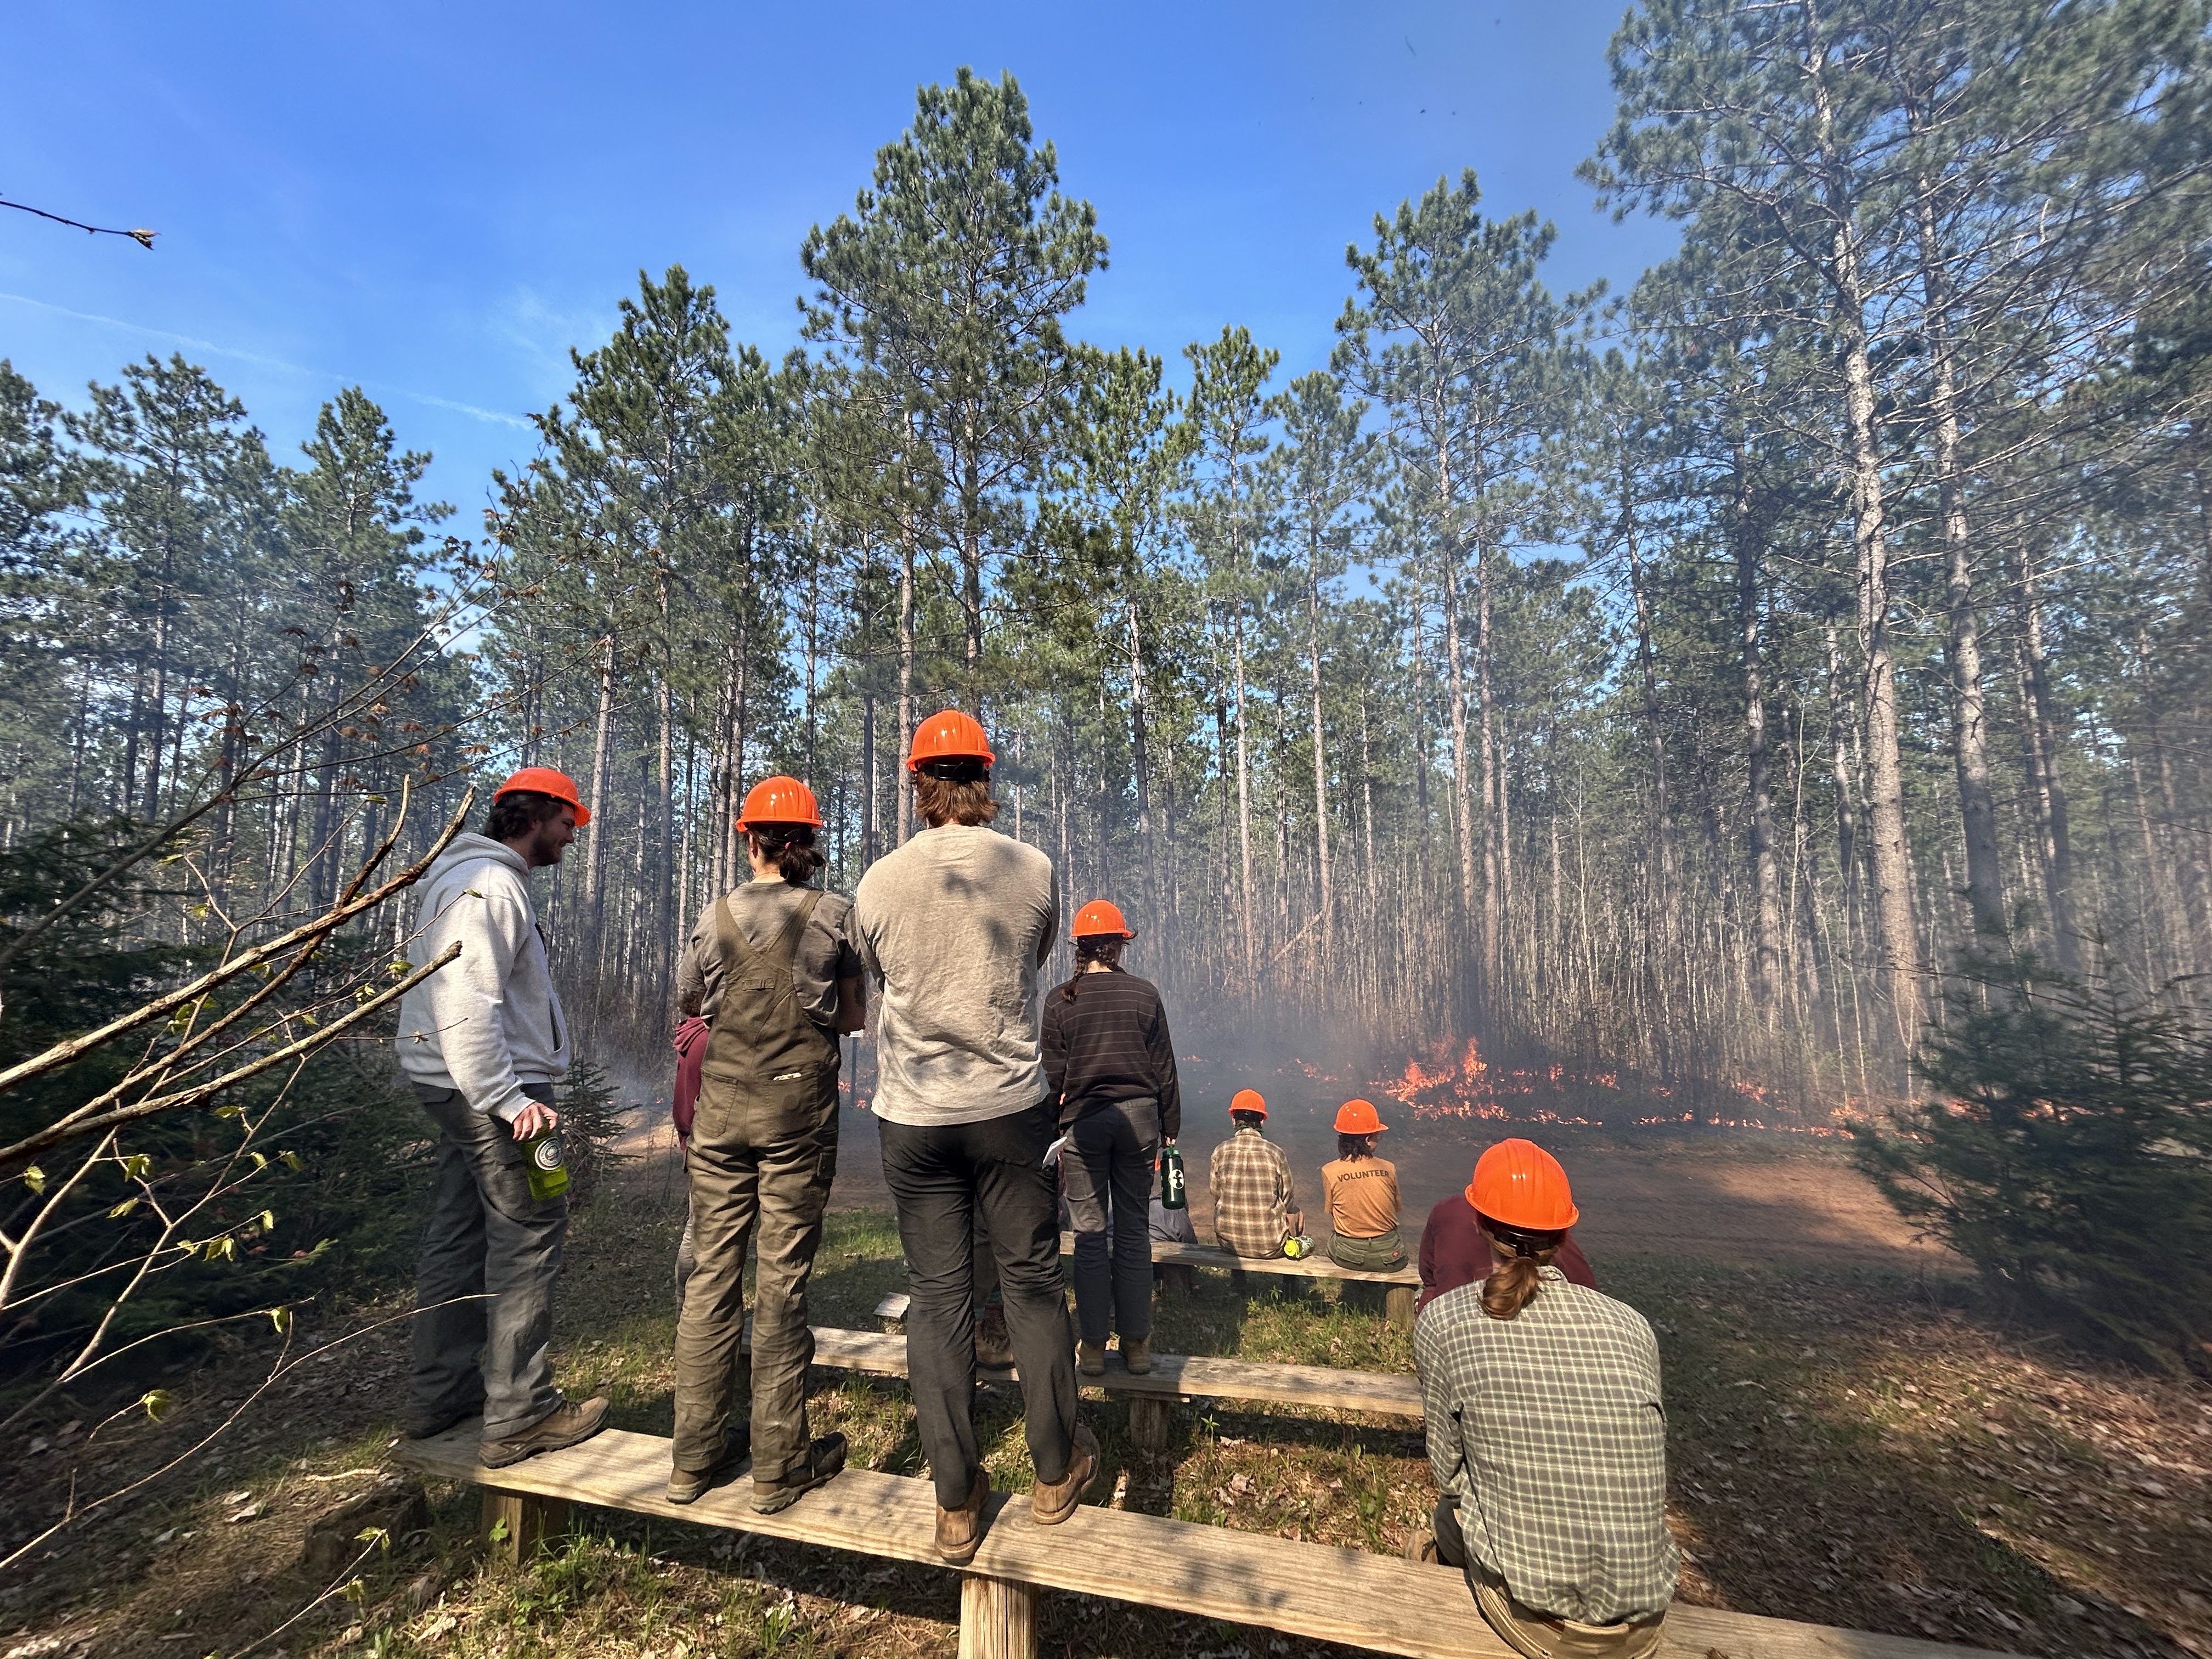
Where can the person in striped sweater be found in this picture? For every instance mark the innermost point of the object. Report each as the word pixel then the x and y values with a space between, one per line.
pixel 1111 1066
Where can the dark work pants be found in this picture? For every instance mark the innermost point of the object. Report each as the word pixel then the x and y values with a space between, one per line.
pixel 1111 1162
pixel 942 1178
pixel 484 1290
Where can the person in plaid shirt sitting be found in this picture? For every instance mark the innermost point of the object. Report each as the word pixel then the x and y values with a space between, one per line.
pixel 1254 1207
pixel 1548 1435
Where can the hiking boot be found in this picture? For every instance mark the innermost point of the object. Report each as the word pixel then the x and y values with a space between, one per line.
pixel 1422 1547
pixel 688 1485
pixel 566 1424
pixel 960 1532
pixel 994 1347
pixel 825 1462
pixel 1091 1358
pixel 1052 1503
pixel 1137 1354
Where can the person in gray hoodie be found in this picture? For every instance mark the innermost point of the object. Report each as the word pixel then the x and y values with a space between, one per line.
pixel 483 1041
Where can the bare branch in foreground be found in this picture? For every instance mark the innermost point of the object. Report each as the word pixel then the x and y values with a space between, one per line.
pixel 143 238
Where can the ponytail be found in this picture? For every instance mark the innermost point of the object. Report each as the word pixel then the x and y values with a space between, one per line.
pixel 1515 1280
pixel 1093 947
pixel 792 847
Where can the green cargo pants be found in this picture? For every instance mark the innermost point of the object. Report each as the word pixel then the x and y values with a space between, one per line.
pixel 761 1162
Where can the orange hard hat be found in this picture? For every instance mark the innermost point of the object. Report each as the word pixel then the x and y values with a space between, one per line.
pixel 1357 1117
pixel 1521 1184
pixel 1248 1100
pixel 949 735
pixel 544 781
pixel 780 800
pixel 1100 917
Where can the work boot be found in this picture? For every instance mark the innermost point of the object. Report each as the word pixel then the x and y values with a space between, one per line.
pixel 1052 1503
pixel 825 1462
pixel 960 1532
pixel 566 1424
pixel 994 1347
pixel 688 1485
pixel 1137 1354
pixel 1091 1358
pixel 1422 1547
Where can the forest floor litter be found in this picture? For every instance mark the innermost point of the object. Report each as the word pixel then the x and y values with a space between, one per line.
pixel 1860 1443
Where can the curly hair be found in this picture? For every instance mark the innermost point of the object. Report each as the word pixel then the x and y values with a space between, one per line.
pixel 516 813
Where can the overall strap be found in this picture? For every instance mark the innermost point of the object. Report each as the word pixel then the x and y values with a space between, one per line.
pixel 731 940
pixel 784 950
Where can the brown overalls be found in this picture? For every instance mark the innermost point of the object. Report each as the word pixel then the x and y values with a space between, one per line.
pixel 764 1150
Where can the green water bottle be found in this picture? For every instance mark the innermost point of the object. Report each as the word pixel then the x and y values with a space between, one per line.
pixel 1171 1193
pixel 549 1171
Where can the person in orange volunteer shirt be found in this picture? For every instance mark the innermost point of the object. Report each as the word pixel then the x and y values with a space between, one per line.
pixel 1360 1191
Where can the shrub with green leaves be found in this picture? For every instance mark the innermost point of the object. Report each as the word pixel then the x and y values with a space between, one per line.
pixel 305 1180
pixel 2068 1154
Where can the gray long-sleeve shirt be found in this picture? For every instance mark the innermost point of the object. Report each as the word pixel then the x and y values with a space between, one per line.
pixel 954 926
pixel 487 1023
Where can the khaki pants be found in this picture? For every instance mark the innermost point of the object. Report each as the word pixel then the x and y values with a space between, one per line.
pixel 761 1163
pixel 1538 1635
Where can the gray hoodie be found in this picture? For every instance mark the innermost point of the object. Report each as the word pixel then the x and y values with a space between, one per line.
pixel 488 1023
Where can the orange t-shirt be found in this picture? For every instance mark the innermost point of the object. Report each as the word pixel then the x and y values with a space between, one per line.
pixel 1361 1195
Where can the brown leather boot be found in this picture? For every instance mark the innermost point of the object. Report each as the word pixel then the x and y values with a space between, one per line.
pixel 566 1424
pixel 960 1532
pixel 825 1462
pixel 1052 1503
pixel 1091 1358
pixel 1137 1355
pixel 994 1345
pixel 689 1485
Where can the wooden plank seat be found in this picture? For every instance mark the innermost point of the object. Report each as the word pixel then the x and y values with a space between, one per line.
pixel 1400 1288
pixel 1173 1376
pixel 1316 1591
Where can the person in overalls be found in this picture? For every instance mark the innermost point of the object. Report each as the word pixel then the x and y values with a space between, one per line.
pixel 771 969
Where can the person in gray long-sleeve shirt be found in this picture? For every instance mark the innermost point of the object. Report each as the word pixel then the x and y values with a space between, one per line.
pixel 483 1042
pixel 954 926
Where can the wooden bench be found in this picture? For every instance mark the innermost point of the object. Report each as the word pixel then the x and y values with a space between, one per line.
pixel 1400 1288
pixel 1173 1376
pixel 1316 1591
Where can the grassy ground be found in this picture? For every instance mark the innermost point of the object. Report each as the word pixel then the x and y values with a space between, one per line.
pixel 1852 1447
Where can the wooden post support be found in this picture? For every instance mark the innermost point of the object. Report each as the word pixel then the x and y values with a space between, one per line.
pixel 998 1618
pixel 1398 1305
pixel 1177 1278
pixel 531 1524
pixel 1148 1421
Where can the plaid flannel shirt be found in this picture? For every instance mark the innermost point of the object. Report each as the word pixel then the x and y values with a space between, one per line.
pixel 1548 1431
pixel 1250 1180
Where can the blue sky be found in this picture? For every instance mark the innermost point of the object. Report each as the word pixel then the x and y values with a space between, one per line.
pixel 437 201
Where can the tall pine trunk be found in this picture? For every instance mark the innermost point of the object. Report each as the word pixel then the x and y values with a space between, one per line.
pixel 1896 944
pixel 1969 726
pixel 905 674
pixel 1765 884
pixel 595 864
pixel 1328 894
